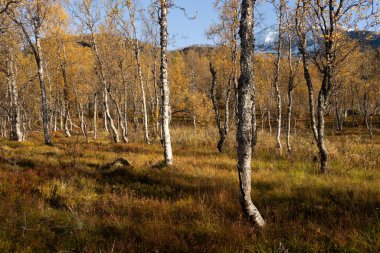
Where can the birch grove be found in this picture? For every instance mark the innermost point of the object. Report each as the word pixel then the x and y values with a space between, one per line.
pixel 91 72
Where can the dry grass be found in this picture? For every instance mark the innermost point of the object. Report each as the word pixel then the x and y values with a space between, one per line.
pixel 58 199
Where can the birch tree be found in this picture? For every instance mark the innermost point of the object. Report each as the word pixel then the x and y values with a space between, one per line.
pixel 225 34
pixel 31 18
pixel 129 31
pixel 165 91
pixel 89 16
pixel 368 88
pixel 327 18
pixel 8 47
pixel 292 73
pixel 62 43
pixel 280 12
pixel 222 127
pixel 66 101
pixel 152 34
pixel 244 113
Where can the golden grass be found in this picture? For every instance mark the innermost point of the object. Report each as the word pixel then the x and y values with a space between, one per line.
pixel 59 199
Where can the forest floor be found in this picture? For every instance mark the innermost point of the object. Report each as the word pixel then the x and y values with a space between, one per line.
pixel 61 199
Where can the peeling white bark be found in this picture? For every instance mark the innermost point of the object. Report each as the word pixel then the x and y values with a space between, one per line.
pixel 168 153
pixel 244 130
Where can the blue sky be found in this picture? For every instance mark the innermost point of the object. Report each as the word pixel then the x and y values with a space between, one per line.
pixel 184 32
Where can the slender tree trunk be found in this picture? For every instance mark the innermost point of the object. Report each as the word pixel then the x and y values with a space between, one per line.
pixel 344 111
pixel 70 121
pixel 142 89
pixel 321 130
pixel 338 116
pixel 105 121
pixel 95 116
pixel 101 74
pixel 124 131
pixel 366 113
pixel 125 108
pixel 61 113
pixel 55 120
pixel 223 130
pixel 120 119
pixel 126 111
pixel 66 101
pixel 254 120
pixel 157 100
pixel 289 119
pixel 118 122
pixel 153 108
pixel 24 126
pixel 83 122
pixel 290 89
pixel 269 121
pixel 15 133
pixel 309 84
pixel 370 125
pixel 352 108
pixel 115 134
pixel 3 128
pixel 235 71
pixel 277 77
pixel 326 70
pixel 311 100
pixel 44 99
pixel 135 111
pixel 323 100
pixel 168 153
pixel 80 116
pixel 227 110
pixel 244 114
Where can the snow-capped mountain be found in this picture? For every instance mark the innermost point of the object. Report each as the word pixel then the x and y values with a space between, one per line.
pixel 266 39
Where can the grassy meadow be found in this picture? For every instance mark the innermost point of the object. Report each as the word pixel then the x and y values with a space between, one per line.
pixel 62 199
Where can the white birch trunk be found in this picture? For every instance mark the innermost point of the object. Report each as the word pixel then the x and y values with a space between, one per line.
pixel 168 154
pixel 101 75
pixel 115 134
pixel 44 99
pixel 277 77
pixel 290 89
pixel 244 114
pixel 66 103
pixel 15 133
pixel 141 82
pixel 95 119
pixel 120 119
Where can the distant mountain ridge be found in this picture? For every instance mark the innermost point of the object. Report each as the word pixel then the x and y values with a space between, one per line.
pixel 266 39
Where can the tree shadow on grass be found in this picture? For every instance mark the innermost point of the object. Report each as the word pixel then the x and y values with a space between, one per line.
pixel 165 184
pixel 335 208
pixel 299 213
